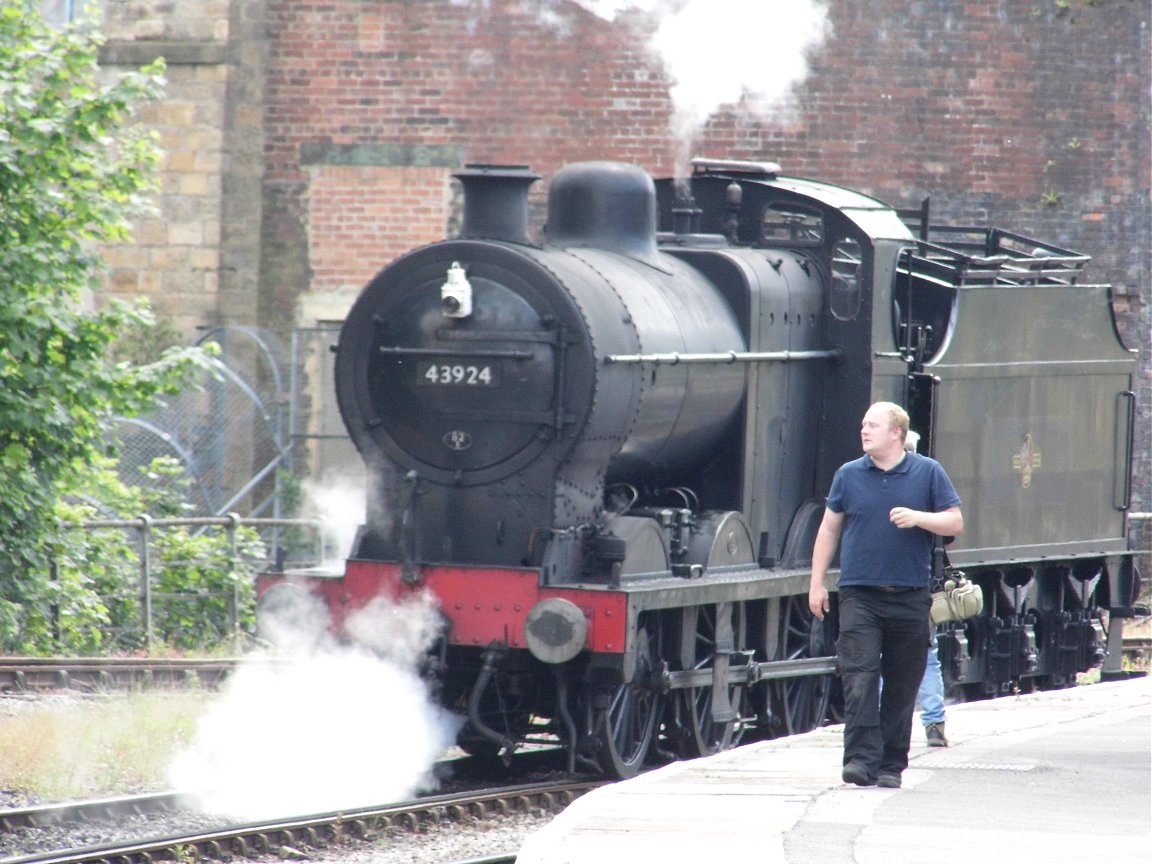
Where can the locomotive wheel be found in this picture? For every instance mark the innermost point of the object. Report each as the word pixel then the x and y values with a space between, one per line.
pixel 704 631
pixel 800 704
pixel 627 724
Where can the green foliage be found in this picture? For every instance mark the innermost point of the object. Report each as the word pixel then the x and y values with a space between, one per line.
pixel 200 581
pixel 201 578
pixel 294 543
pixel 73 174
pixel 140 343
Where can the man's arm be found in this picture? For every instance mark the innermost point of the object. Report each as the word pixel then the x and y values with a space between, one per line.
pixel 827 539
pixel 947 523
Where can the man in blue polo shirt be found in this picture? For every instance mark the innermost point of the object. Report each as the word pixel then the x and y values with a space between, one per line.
pixel 882 509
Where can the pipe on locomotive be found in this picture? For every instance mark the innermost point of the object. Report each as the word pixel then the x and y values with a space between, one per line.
pixel 674 358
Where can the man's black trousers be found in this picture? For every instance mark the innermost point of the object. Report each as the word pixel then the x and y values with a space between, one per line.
pixel 883 635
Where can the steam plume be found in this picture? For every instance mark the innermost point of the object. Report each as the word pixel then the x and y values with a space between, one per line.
pixel 322 728
pixel 339 503
pixel 316 726
pixel 721 52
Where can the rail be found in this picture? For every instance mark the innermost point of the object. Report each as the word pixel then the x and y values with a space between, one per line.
pixel 25 675
pixel 144 529
pixel 62 812
pixel 287 837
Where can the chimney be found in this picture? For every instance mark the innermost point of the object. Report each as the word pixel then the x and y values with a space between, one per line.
pixel 496 202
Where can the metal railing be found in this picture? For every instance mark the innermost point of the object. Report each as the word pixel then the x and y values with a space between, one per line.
pixel 143 531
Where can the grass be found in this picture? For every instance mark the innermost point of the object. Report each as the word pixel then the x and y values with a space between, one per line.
pixel 79 747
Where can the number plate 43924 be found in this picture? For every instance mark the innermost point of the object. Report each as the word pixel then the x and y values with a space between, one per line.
pixel 431 374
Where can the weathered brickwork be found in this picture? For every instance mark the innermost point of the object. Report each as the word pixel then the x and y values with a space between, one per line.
pixel 354 210
pixel 343 120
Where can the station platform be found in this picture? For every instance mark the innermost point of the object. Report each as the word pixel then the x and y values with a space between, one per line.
pixel 1052 777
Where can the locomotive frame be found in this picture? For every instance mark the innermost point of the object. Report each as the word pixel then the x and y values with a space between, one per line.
pixel 604 456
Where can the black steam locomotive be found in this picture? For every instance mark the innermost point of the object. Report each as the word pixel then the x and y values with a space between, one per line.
pixel 605 456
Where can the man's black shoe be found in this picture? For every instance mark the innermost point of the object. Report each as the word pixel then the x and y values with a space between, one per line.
pixel 888 780
pixel 856 773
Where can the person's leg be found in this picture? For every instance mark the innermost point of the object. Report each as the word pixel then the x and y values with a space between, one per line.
pixel 905 656
pixel 858 654
pixel 931 693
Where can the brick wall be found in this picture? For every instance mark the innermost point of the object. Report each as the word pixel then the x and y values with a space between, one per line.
pixel 1009 112
pixel 311 141
pixel 1033 116
pixel 356 210
pixel 175 261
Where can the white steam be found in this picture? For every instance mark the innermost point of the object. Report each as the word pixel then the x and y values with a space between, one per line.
pixel 757 51
pixel 724 52
pixel 339 504
pixel 749 54
pixel 319 727
pixel 399 633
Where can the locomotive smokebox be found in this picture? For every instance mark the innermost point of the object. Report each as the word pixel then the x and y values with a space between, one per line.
pixel 495 202
pixel 604 205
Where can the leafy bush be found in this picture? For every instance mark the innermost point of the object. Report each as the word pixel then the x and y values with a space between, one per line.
pixel 202 577
pixel 74 171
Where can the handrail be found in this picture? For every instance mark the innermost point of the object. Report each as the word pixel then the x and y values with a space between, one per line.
pixel 1125 500
pixel 147 564
pixel 675 358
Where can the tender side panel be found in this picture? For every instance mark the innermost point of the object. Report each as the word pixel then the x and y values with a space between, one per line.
pixel 1033 429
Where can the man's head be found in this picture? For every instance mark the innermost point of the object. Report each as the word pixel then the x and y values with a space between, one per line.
pixel 883 430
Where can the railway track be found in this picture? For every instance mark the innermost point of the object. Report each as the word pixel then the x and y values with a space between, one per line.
pixel 1138 651
pixel 27 675
pixel 21 676
pixel 293 836
pixel 92 810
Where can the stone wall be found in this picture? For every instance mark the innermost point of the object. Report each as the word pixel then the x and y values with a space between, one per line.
pixel 196 258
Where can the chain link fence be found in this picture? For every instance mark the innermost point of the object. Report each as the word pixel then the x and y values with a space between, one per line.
pixel 229 431
pixel 269 415
pixel 256 443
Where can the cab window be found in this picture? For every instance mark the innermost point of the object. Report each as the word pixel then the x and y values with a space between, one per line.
pixel 791 225
pixel 847 260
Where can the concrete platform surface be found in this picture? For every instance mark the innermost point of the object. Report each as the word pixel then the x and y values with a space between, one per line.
pixel 1060 776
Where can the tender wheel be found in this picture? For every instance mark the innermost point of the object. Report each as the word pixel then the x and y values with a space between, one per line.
pixel 799 704
pixel 709 633
pixel 626 724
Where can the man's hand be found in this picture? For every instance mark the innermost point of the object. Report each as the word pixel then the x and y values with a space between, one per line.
pixel 948 522
pixel 818 600
pixel 902 517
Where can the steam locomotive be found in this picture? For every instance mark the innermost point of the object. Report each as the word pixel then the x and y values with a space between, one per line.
pixel 604 456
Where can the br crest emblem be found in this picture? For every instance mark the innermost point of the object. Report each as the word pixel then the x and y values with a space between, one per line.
pixel 1026 461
